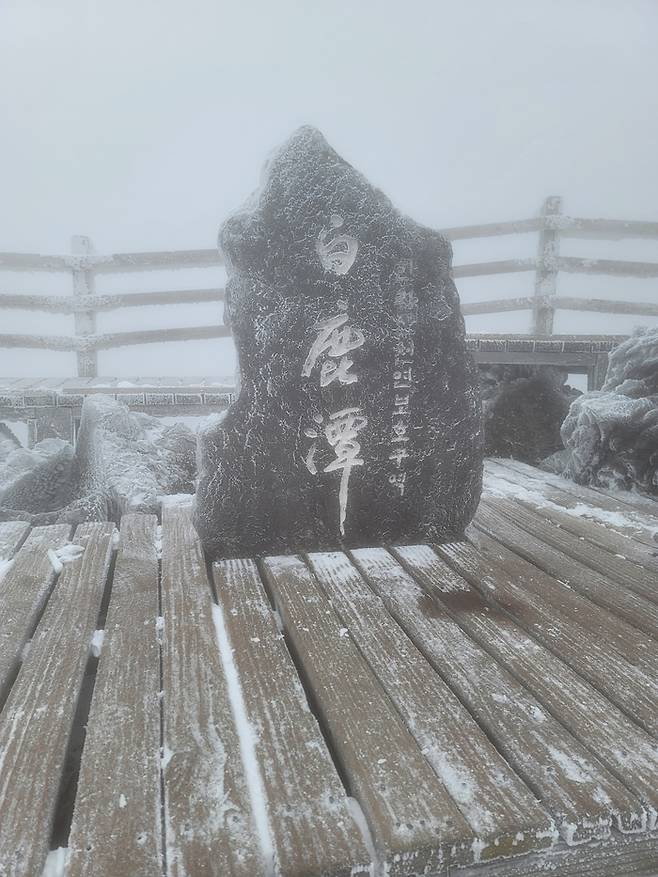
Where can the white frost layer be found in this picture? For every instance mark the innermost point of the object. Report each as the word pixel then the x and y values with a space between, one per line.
pixel 361 823
pixel 68 553
pixel 498 486
pixel 55 562
pixel 56 863
pixel 96 644
pixel 5 566
pixel 247 738
pixel 176 499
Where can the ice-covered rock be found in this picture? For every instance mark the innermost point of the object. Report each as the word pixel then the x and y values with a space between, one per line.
pixel 122 462
pixel 358 418
pixel 612 435
pixel 523 410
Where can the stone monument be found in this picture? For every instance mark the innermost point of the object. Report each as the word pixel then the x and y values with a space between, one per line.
pixel 358 417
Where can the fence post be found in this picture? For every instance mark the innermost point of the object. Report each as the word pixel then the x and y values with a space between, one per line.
pixel 85 321
pixel 546 276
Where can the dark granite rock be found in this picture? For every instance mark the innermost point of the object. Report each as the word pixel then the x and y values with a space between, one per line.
pixel 358 418
pixel 523 410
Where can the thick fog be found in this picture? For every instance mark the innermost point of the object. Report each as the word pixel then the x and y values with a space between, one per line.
pixel 143 124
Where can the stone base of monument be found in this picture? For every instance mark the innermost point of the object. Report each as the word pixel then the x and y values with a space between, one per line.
pixel 358 418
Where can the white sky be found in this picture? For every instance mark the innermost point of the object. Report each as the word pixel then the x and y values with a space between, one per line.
pixel 142 123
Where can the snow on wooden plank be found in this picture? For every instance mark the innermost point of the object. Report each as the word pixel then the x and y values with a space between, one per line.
pixel 306 805
pixel 504 815
pixel 25 587
pixel 609 565
pixel 116 825
pixel 38 715
pixel 573 787
pixel 593 533
pixel 615 657
pixel 12 536
pixel 208 820
pixel 578 500
pixel 528 542
pixel 414 822
pixel 611 736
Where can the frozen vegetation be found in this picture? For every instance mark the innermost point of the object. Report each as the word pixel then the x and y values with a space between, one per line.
pixel 611 436
pixel 122 462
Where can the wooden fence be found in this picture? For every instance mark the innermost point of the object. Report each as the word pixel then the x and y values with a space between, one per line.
pixel 84 265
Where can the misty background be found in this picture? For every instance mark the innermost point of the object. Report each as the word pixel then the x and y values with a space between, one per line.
pixel 144 124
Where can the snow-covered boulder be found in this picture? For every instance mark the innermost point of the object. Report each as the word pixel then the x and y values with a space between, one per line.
pixel 122 462
pixel 611 435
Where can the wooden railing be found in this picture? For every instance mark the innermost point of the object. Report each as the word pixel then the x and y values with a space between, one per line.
pixel 84 265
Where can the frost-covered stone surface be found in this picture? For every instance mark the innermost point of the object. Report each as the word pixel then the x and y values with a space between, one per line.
pixel 523 410
pixel 358 419
pixel 122 462
pixel 611 436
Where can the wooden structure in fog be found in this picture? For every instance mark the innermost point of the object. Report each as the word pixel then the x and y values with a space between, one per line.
pixel 579 353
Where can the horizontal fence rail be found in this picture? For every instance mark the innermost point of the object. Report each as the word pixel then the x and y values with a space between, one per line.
pixel 83 264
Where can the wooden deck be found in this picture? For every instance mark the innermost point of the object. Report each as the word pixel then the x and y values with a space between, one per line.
pixel 487 708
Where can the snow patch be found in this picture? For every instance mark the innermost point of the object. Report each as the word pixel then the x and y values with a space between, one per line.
pixel 55 562
pixel 361 823
pixel 165 756
pixel 68 553
pixel 248 739
pixel 96 644
pixel 5 566
pixel 56 863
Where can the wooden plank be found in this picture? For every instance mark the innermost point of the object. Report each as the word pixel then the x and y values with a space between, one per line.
pixel 116 827
pixel 581 500
pixel 151 336
pixel 23 594
pixel 503 266
pixel 12 536
pixel 208 820
pixel 606 306
pixel 607 229
pixel 33 262
pixel 492 229
pixel 579 631
pixel 614 566
pixel 561 604
pixel 54 304
pixel 61 304
pixel 414 822
pixel 610 541
pixel 495 306
pixel 612 267
pixel 503 814
pixel 647 506
pixel 148 261
pixel 40 342
pixel 308 810
pixel 626 604
pixel 537 747
pixel 546 670
pixel 620 856
pixel 37 718
pixel 145 299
